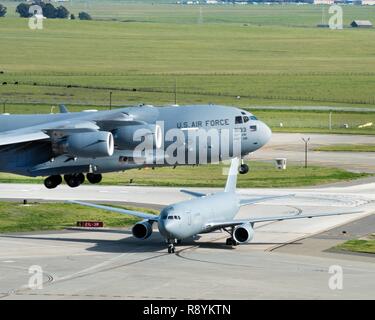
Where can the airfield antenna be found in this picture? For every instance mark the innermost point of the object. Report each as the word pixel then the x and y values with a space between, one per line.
pixel 175 92
pixel 323 16
pixel 110 100
pixel 306 141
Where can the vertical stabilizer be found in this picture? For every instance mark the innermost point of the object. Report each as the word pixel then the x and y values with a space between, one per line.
pixel 232 176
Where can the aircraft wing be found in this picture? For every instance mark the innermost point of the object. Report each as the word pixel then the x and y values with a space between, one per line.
pixel 247 202
pixel 193 193
pixel 233 223
pixel 138 214
pixel 12 138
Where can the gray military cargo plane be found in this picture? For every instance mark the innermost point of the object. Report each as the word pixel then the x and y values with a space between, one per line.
pixel 76 143
pixel 204 214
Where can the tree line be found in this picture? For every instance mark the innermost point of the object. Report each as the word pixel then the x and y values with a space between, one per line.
pixel 48 9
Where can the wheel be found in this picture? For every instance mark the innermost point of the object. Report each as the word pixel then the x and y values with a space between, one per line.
pixel 94 177
pixel 71 180
pixel 244 168
pixel 81 178
pixel 171 248
pixel 228 242
pixel 52 182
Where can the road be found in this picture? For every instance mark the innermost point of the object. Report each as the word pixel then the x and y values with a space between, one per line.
pixel 291 146
pixel 110 264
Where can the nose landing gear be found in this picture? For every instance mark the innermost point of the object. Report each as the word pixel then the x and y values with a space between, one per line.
pixel 244 168
pixel 171 248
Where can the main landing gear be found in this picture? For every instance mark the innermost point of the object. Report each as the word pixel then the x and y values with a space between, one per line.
pixel 72 180
pixel 230 241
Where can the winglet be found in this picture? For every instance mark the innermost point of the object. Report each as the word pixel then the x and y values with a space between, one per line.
pixel 232 176
pixel 63 109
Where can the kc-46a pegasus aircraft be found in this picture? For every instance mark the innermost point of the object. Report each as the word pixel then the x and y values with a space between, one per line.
pixel 204 214
pixel 76 143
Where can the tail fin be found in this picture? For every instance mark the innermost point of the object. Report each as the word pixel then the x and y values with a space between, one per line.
pixel 232 176
pixel 63 109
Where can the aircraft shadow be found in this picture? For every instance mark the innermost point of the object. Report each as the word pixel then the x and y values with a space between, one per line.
pixel 130 244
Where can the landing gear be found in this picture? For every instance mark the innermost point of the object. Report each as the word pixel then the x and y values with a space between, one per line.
pixel 74 180
pixel 52 182
pixel 244 168
pixel 94 177
pixel 171 248
pixel 231 242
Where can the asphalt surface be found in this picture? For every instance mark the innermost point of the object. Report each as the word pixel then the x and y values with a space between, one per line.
pixel 111 264
pixel 291 147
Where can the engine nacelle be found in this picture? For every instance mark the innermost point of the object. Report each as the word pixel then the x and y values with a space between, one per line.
pixel 128 137
pixel 243 233
pixel 87 145
pixel 142 230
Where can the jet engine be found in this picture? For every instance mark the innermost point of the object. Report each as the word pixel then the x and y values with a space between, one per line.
pixel 243 233
pixel 142 230
pixel 128 137
pixel 87 145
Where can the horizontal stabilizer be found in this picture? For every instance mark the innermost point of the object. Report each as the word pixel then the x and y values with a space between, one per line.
pixel 193 193
pixel 247 202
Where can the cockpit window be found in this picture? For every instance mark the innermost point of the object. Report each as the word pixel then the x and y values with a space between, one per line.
pixel 253 118
pixel 238 120
pixel 245 119
pixel 253 128
pixel 170 217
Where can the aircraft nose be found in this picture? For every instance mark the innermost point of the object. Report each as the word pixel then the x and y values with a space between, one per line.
pixel 265 134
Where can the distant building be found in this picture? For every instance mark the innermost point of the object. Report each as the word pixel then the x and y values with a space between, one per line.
pixel 368 2
pixel 328 2
pixel 361 24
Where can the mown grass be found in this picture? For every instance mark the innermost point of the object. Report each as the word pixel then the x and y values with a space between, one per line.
pixel 347 148
pixel 363 246
pixel 15 217
pixel 265 54
pixel 261 175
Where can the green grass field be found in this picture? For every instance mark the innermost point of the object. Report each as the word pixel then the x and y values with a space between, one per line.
pixel 15 217
pixel 267 55
pixel 261 175
pixel 347 148
pixel 362 246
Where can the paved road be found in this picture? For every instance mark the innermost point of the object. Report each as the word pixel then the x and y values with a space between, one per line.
pixel 291 146
pixel 111 264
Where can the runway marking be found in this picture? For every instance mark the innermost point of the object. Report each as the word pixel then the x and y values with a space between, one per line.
pixel 8 261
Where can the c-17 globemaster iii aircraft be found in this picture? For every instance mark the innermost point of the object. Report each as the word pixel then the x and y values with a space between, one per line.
pixel 204 214
pixel 76 143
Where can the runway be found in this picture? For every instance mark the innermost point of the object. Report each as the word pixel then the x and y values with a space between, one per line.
pixel 291 146
pixel 110 264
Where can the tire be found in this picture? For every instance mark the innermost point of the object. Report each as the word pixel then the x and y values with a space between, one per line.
pixel 52 182
pixel 244 168
pixel 94 177
pixel 71 180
